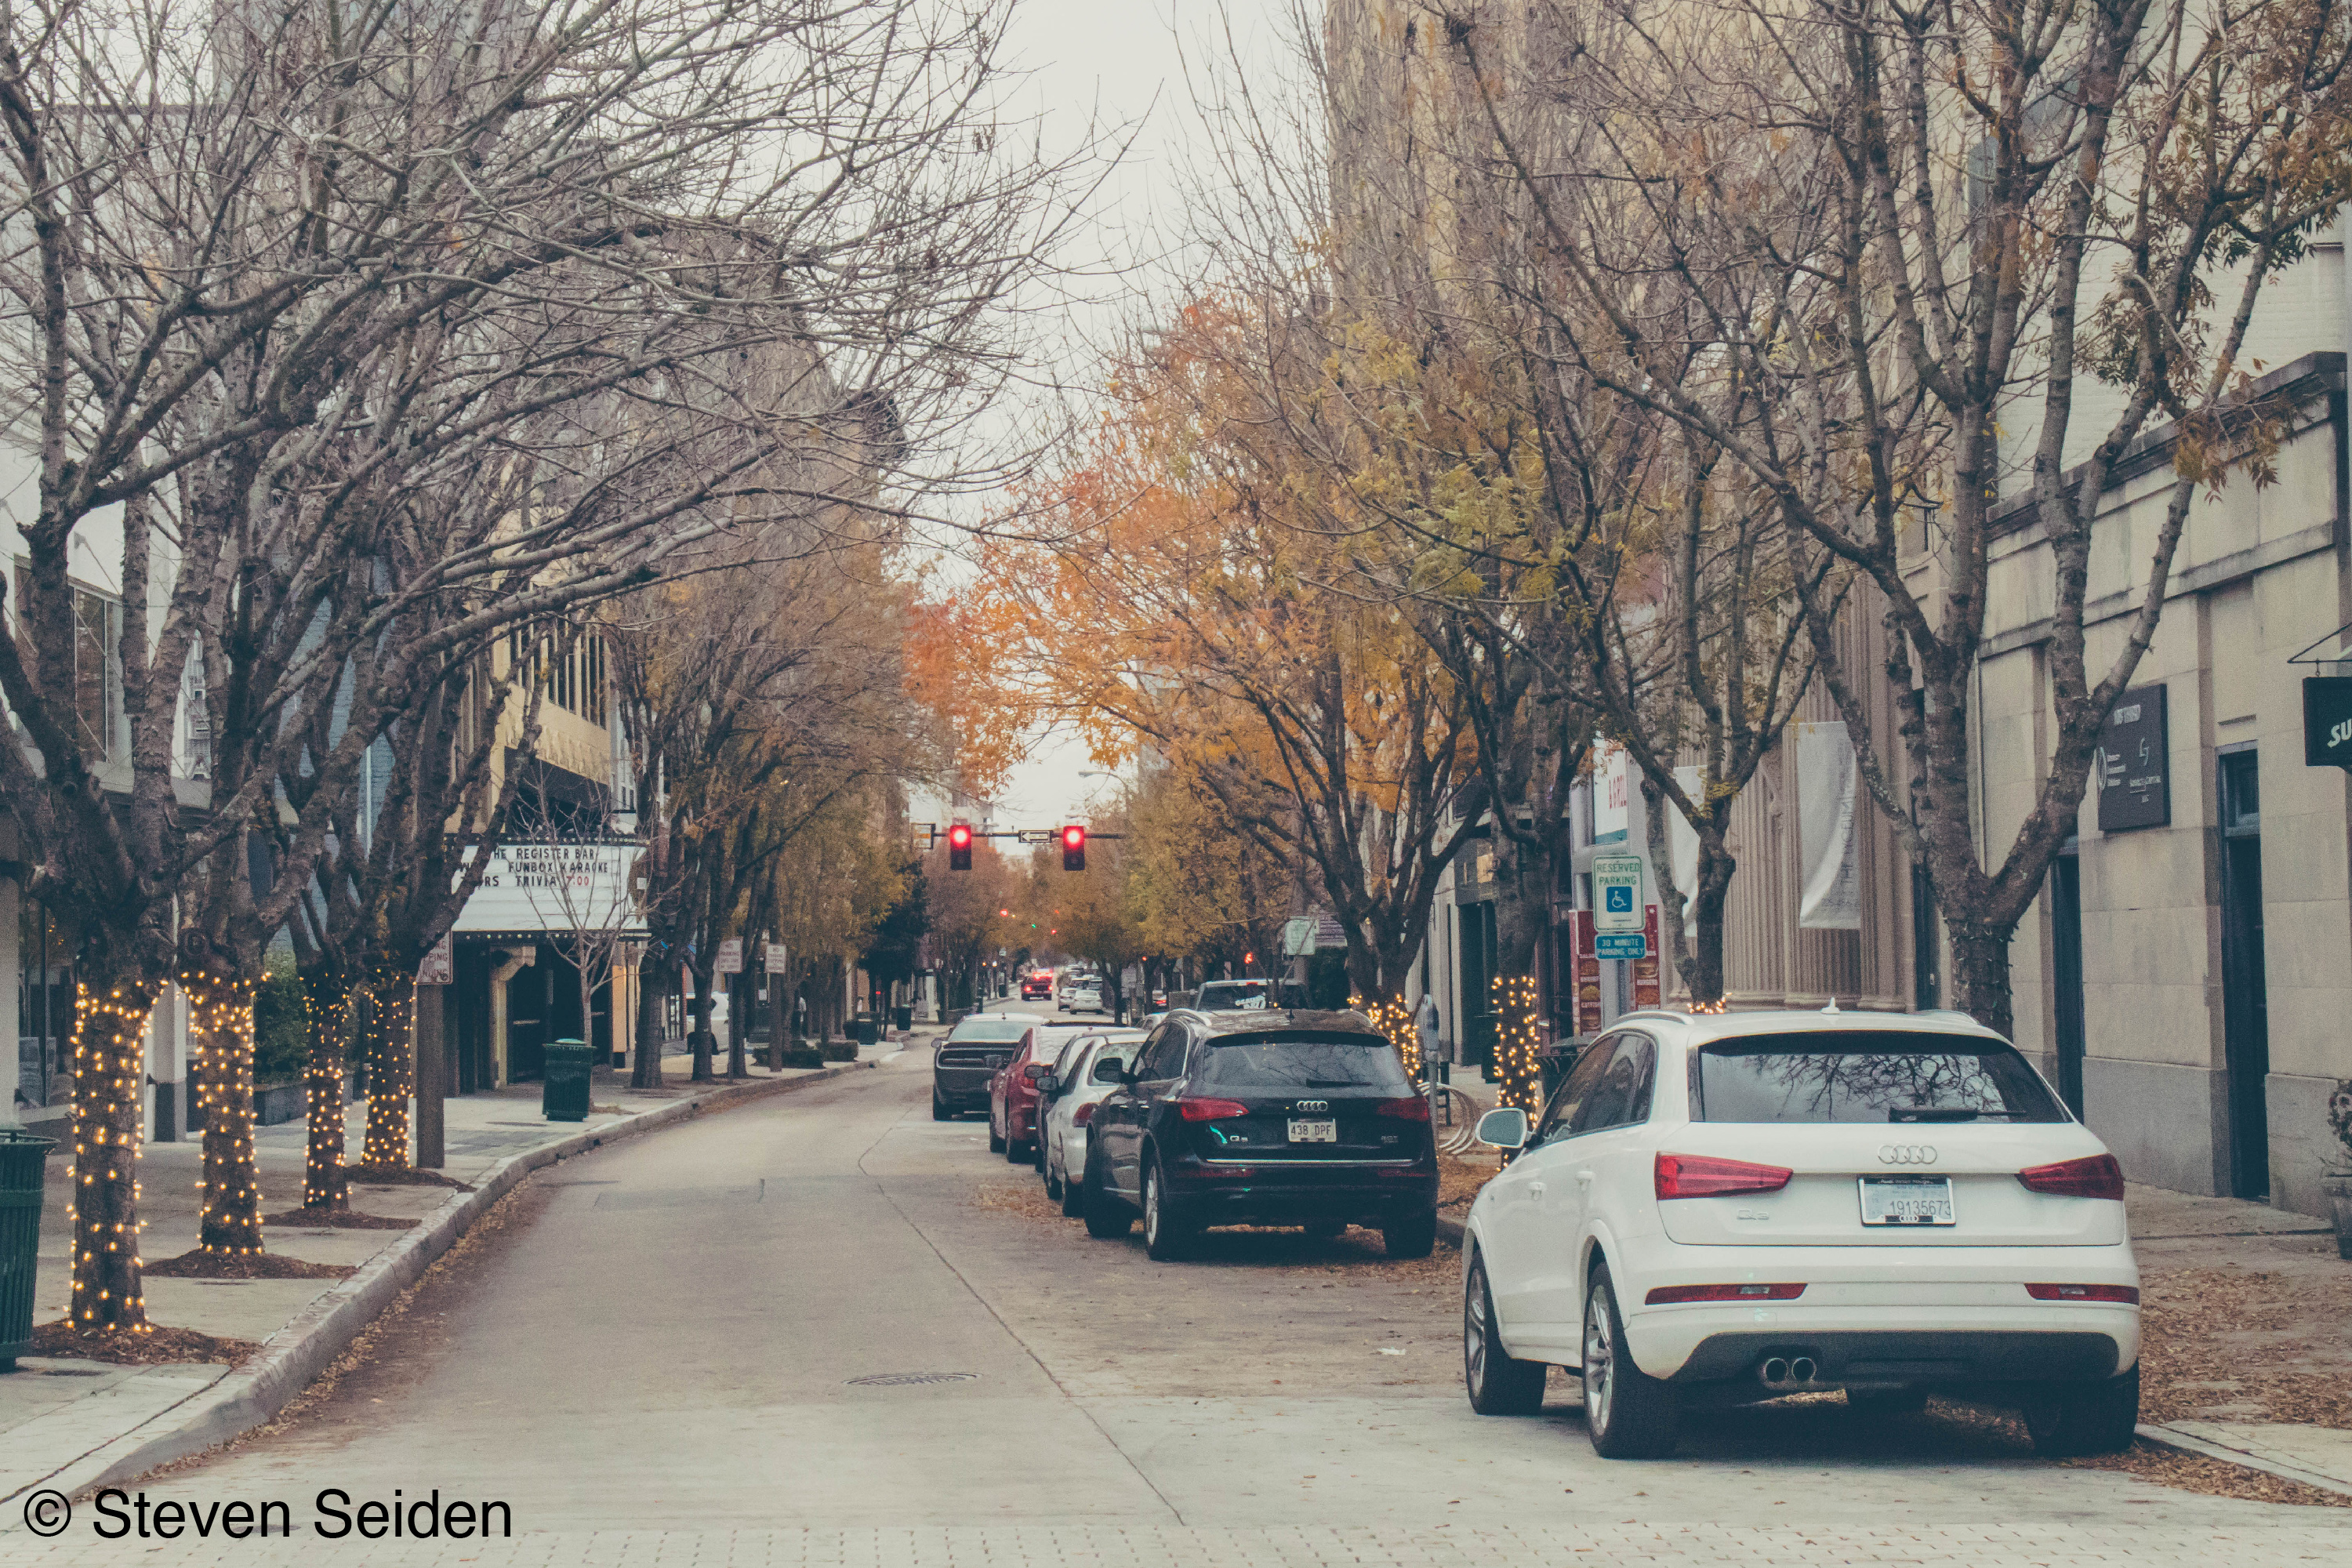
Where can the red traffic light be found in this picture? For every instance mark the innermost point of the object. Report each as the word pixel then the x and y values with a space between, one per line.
pixel 960 847
pixel 1074 848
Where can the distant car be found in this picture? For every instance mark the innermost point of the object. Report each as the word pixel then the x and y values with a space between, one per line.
pixel 1263 1118
pixel 965 1062
pixel 1013 1092
pixel 1086 997
pixel 1720 1209
pixel 1037 985
pixel 1083 1075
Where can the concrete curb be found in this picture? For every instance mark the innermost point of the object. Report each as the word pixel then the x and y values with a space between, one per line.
pixel 2167 1437
pixel 295 1355
pixel 1449 1231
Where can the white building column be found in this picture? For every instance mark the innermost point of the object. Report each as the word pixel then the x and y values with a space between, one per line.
pixel 167 1067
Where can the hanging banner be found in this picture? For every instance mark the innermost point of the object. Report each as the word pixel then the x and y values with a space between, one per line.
pixel 1613 793
pixel 1586 968
pixel 1646 992
pixel 1682 841
pixel 1830 882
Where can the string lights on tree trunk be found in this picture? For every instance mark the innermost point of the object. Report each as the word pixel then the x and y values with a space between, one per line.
pixel 391 994
pixel 108 1073
pixel 220 1063
pixel 1514 1043
pixel 326 1014
pixel 1394 1019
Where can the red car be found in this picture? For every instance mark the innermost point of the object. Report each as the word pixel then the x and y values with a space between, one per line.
pixel 1037 985
pixel 1013 1093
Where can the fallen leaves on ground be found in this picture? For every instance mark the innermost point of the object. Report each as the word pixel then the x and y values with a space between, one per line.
pixel 398 1177
pixel 157 1347
pixel 338 1219
pixel 198 1264
pixel 2239 1345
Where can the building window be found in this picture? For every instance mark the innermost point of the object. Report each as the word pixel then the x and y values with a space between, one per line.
pixel 96 662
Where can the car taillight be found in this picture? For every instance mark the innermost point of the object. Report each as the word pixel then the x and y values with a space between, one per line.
pixel 1704 1176
pixel 1672 1295
pixel 1412 1108
pixel 2127 1294
pixel 2093 1177
pixel 1083 1114
pixel 1211 1110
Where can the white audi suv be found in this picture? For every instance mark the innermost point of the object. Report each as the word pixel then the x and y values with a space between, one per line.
pixel 1714 1210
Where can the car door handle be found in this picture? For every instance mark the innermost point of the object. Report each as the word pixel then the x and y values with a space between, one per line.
pixel 1535 1191
pixel 1584 1177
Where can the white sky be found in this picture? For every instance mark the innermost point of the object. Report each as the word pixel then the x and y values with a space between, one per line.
pixel 1113 63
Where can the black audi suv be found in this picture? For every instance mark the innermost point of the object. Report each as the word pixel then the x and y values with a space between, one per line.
pixel 969 1056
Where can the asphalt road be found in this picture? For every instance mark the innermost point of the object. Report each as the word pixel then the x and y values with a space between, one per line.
pixel 665 1342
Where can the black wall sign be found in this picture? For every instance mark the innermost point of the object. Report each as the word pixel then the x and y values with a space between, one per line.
pixel 2327 721
pixel 2134 762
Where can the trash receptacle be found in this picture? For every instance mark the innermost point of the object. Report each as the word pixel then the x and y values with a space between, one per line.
pixel 902 1017
pixel 868 1031
pixel 563 1096
pixel 20 1238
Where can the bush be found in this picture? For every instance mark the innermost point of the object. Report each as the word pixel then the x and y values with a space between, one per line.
pixel 281 1032
pixel 839 1050
pixel 803 1056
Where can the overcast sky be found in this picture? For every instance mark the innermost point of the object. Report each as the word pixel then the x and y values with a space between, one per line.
pixel 1112 63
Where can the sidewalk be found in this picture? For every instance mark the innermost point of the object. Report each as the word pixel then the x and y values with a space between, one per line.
pixel 58 1415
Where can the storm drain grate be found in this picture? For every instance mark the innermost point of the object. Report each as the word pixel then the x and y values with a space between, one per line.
pixel 910 1379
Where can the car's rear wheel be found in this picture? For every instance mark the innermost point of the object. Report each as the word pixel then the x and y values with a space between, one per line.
pixel 1015 1154
pixel 1107 1217
pixel 1054 1185
pixel 1414 1236
pixel 1167 1234
pixel 1628 1414
pixel 1498 1383
pixel 2085 1418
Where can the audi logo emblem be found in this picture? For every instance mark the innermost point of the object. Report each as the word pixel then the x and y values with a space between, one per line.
pixel 1906 1153
pixel 1314 1105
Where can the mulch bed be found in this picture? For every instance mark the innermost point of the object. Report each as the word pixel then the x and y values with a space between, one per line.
pixel 398 1177
pixel 338 1219
pixel 201 1265
pixel 2233 1344
pixel 156 1347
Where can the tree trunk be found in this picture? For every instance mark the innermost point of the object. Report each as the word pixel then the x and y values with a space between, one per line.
pixel 390 1069
pixel 702 1073
pixel 645 1071
pixel 1980 972
pixel 109 1067
pixel 326 1011
pixel 1705 975
pixel 220 1069
pixel 737 1067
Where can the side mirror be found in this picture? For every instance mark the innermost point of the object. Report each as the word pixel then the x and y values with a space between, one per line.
pixel 1037 1072
pixel 1503 1128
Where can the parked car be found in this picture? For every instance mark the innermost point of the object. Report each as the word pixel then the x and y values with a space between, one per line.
pixel 1720 1209
pixel 1263 1118
pixel 968 1059
pixel 1037 985
pixel 1087 996
pixel 1013 1092
pixel 1232 995
pixel 1084 1073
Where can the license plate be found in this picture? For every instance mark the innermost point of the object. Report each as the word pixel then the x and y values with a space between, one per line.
pixel 1314 1133
pixel 1907 1200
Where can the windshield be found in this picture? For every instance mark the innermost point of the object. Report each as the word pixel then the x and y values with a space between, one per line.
pixel 1224 995
pixel 1851 1075
pixel 989 1031
pixel 1300 1062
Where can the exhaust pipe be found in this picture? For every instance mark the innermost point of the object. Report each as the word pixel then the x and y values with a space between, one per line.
pixel 1772 1373
pixel 1802 1369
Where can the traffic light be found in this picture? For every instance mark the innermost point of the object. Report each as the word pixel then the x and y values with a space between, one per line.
pixel 960 848
pixel 1074 848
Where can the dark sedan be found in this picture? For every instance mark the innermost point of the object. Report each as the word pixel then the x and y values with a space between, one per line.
pixel 1263 1118
pixel 969 1058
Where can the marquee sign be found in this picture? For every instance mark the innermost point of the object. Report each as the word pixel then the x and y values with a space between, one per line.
pixel 556 887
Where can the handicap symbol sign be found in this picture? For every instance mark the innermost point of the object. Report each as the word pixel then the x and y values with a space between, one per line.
pixel 1620 900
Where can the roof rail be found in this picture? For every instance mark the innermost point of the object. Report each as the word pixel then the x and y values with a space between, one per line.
pixel 1654 1013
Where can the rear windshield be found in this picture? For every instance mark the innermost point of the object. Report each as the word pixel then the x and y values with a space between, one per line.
pixel 990 1031
pixel 1220 995
pixel 1305 1061
pixel 1868 1076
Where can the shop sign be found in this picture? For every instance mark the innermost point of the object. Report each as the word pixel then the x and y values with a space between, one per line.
pixel 2327 721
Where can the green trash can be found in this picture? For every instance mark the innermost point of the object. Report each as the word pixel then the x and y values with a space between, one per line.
pixel 20 1238
pixel 866 1030
pixel 563 1095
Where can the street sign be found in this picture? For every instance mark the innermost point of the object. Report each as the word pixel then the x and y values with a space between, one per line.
pixel 1617 895
pixel 437 968
pixel 731 957
pixel 1618 946
pixel 776 964
pixel 1298 937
